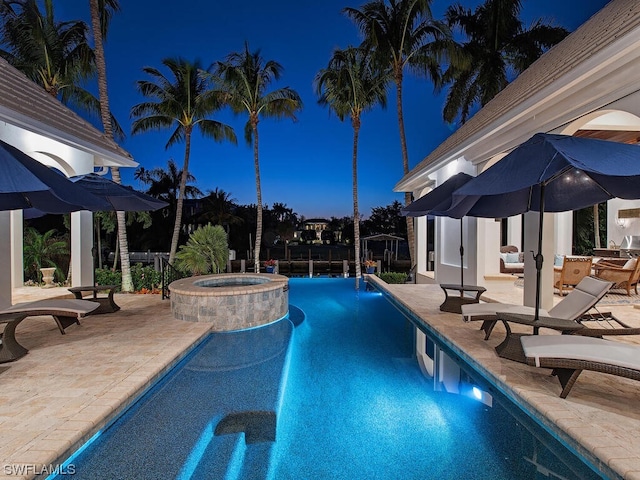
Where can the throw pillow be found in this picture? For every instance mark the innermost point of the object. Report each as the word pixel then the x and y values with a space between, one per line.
pixel 558 260
pixel 512 258
pixel 503 256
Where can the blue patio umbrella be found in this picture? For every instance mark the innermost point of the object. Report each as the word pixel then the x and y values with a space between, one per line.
pixel 121 198
pixel 26 183
pixel 438 201
pixel 117 197
pixel 551 173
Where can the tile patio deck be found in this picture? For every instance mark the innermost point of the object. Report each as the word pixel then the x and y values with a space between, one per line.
pixel 68 386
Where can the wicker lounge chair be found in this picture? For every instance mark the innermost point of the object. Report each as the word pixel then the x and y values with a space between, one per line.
pixel 574 306
pixel 569 355
pixel 623 277
pixel 64 311
pixel 573 270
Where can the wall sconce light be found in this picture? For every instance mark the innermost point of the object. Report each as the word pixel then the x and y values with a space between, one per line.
pixel 622 222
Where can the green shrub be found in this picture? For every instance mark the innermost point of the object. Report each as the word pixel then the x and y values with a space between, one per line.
pixel 393 277
pixel 105 276
pixel 144 277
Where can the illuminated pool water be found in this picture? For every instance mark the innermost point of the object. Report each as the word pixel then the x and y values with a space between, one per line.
pixel 349 399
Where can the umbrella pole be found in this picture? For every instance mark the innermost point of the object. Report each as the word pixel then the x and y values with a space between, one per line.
pixel 539 258
pixel 461 259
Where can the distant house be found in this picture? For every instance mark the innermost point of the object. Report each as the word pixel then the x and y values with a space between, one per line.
pixel 42 127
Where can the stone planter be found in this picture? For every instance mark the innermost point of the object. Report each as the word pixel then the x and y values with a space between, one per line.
pixel 47 277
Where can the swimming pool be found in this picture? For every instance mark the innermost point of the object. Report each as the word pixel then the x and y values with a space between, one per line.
pixel 350 399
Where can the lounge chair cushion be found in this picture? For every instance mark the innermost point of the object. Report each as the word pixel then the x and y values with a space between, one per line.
pixel 580 300
pixel 577 347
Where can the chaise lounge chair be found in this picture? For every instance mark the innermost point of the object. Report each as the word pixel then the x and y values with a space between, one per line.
pixel 569 355
pixel 574 306
pixel 65 312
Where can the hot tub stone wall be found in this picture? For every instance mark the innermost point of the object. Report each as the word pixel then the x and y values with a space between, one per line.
pixel 234 306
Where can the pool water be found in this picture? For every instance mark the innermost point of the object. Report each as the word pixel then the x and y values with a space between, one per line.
pixel 350 400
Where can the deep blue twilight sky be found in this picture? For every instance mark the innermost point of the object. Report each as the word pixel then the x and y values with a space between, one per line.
pixel 307 164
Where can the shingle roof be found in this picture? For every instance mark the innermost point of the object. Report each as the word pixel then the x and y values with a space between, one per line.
pixel 27 105
pixel 613 21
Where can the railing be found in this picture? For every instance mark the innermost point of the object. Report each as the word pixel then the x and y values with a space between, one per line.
pixel 168 274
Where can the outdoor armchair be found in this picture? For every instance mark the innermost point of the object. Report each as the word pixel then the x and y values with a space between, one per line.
pixel 623 277
pixel 573 270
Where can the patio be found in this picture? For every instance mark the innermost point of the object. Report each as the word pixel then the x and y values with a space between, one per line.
pixel 68 386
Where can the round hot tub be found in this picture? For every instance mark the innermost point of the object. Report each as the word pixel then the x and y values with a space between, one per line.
pixel 230 301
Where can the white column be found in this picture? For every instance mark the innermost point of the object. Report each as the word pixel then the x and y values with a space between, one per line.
pixel 563 239
pixel 17 243
pixel 81 245
pixel 488 248
pixel 420 228
pixel 514 233
pixel 531 222
pixel 5 258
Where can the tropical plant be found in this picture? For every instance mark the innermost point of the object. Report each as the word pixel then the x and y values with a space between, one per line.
pixel 497 48
pixel 182 103
pixel 245 77
pixel 351 85
pixel 101 13
pixel 41 250
pixel 404 35
pixel 56 55
pixel 206 250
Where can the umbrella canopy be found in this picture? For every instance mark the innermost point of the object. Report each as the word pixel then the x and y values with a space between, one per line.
pixel 438 201
pixel 552 173
pixel 120 197
pixel 573 172
pixel 26 183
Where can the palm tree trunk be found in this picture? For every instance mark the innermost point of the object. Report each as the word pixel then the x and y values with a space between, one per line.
pixel 405 160
pixel 105 115
pixel 127 280
pixel 256 260
pixel 181 193
pixel 355 120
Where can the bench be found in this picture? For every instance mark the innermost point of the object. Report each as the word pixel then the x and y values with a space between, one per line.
pixel 107 304
pixel 10 349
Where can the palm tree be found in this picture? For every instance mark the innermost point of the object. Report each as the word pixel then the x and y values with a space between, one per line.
pixel 404 35
pixel 101 12
pixel 165 184
pixel 218 209
pixel 351 85
pixel 182 103
pixel 245 76
pixel 497 48
pixel 55 55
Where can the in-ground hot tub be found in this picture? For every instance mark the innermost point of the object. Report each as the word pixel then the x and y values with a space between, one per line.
pixel 230 301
